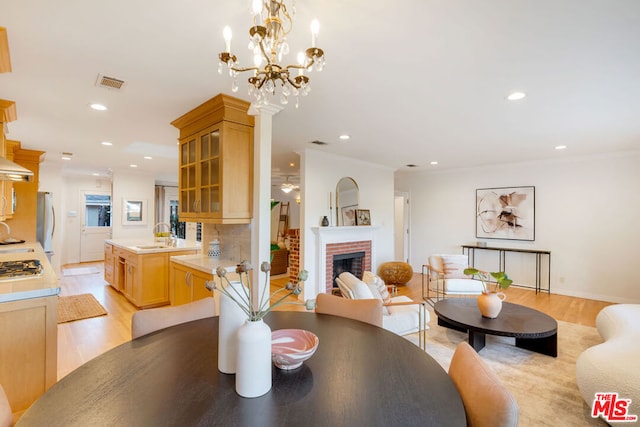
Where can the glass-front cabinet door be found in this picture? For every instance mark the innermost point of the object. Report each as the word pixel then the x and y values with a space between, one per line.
pixel 188 181
pixel 216 162
pixel 209 165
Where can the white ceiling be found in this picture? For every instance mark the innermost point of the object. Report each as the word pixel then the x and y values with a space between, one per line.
pixel 412 85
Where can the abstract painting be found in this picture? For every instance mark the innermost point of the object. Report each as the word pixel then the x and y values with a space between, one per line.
pixel 505 213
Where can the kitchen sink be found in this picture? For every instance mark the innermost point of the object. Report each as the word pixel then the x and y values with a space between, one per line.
pixel 15 250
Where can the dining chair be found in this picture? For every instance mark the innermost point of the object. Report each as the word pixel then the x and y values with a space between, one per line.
pixel 144 322
pixel 6 417
pixel 487 402
pixel 365 310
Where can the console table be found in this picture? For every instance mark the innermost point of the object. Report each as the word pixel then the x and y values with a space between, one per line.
pixel 470 251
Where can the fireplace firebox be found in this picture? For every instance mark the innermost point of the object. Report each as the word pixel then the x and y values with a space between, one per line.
pixel 351 262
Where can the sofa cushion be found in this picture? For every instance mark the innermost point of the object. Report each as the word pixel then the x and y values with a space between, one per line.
pixel 402 319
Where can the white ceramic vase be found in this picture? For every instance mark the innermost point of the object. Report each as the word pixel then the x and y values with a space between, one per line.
pixel 490 304
pixel 231 319
pixel 253 366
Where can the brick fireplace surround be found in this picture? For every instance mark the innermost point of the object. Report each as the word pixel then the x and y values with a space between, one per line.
pixel 345 248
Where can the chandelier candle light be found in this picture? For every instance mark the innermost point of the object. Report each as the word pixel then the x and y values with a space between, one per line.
pixel 272 22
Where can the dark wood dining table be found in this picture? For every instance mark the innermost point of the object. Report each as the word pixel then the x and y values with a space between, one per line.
pixel 360 375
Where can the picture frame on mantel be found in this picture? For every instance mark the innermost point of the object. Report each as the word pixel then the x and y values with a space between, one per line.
pixel 134 212
pixel 348 214
pixel 363 217
pixel 506 213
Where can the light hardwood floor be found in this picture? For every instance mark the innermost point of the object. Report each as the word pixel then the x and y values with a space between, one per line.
pixel 81 341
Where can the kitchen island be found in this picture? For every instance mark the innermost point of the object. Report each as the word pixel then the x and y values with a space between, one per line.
pixel 28 323
pixel 189 273
pixel 139 269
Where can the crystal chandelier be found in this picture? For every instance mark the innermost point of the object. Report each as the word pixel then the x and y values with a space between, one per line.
pixel 272 22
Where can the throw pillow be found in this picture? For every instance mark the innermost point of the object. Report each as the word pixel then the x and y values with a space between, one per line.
pixel 454 265
pixel 373 280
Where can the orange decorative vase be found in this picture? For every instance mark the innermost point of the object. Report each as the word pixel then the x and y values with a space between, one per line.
pixel 490 304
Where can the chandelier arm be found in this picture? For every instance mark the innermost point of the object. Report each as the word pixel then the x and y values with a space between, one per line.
pixel 241 70
pixel 293 83
pixel 264 53
pixel 289 19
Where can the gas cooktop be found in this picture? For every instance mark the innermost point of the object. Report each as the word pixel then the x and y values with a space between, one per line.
pixel 20 269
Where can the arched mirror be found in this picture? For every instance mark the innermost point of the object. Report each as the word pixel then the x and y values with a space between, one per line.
pixel 347 201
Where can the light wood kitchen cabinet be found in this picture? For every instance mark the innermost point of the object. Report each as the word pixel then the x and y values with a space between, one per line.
pixel 7 115
pixel 187 284
pixel 8 198
pixel 143 278
pixel 109 264
pixel 28 350
pixel 215 176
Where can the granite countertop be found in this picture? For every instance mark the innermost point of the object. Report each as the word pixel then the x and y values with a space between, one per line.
pixel 145 246
pixel 204 263
pixel 20 288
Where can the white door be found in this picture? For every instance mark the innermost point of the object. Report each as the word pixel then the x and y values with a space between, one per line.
pixel 401 226
pixel 96 224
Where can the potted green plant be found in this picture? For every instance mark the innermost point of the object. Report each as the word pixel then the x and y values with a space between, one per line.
pixel 490 302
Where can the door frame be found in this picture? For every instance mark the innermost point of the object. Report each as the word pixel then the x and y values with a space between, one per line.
pixel 83 217
pixel 402 225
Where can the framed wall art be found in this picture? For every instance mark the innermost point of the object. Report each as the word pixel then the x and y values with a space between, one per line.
pixel 505 213
pixel 348 214
pixel 133 212
pixel 363 217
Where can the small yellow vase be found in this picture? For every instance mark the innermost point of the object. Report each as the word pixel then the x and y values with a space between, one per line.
pixel 490 304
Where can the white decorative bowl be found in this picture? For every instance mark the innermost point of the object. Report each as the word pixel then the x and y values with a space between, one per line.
pixel 291 347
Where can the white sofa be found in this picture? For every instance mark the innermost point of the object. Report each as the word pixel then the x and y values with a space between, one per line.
pixel 401 314
pixel 614 365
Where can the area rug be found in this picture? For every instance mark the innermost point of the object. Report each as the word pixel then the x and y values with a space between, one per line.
pixel 79 271
pixel 77 307
pixel 545 387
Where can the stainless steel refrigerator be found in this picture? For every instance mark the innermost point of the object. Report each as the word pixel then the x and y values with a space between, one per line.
pixel 46 222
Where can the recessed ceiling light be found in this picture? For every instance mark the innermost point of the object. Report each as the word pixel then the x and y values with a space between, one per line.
pixel 133 166
pixel 148 157
pixel 107 143
pixel 292 164
pixel 66 157
pixel 95 174
pixel 515 96
pixel 344 137
pixel 560 147
pixel 433 163
pixel 98 107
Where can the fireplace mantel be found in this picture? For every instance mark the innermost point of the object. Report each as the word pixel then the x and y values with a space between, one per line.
pixel 346 234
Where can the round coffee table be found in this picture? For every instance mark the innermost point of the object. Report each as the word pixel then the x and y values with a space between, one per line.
pixel 532 329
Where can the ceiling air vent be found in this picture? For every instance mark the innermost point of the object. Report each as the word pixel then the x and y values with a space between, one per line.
pixel 319 142
pixel 109 82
